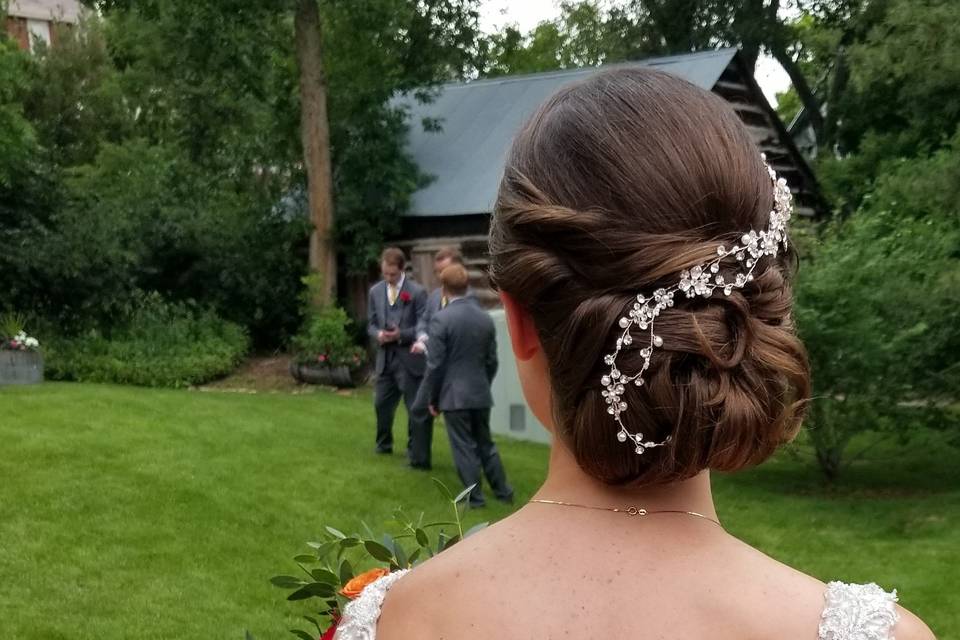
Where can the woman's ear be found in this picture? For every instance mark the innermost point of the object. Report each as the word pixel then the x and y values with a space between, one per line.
pixel 523 333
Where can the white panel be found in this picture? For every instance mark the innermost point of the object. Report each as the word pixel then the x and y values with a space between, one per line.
pixel 57 10
pixel 38 30
pixel 507 392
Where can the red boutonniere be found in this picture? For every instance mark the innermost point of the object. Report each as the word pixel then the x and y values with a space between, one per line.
pixel 405 296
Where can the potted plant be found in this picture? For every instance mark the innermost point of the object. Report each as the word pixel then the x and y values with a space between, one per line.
pixel 21 361
pixel 324 352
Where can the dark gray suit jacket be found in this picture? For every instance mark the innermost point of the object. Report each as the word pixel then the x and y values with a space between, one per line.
pixel 433 307
pixel 410 313
pixel 461 358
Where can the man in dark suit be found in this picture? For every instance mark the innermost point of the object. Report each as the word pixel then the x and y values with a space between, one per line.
pixel 444 257
pixel 394 306
pixel 461 364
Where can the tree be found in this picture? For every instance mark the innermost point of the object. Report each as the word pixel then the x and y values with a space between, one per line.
pixel 315 132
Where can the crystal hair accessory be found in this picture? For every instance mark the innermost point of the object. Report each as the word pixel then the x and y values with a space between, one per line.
pixel 701 280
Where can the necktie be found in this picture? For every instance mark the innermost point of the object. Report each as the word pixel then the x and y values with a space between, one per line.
pixel 392 294
pixel 443 302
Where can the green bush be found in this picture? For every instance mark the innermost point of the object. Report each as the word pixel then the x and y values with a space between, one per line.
pixel 162 344
pixel 325 336
pixel 877 309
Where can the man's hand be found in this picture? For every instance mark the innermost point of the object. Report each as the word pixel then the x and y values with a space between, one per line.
pixel 418 347
pixel 383 337
pixel 433 411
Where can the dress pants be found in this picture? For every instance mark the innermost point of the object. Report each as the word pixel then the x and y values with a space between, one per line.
pixel 392 384
pixel 474 450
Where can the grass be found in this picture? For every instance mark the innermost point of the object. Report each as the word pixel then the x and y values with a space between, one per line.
pixel 154 514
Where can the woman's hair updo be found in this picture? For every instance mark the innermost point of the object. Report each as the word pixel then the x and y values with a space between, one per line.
pixel 614 186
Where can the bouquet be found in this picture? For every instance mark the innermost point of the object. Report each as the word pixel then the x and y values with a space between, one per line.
pixel 332 570
pixel 13 336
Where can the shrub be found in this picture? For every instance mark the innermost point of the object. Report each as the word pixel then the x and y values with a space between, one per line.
pixel 877 309
pixel 161 344
pixel 326 333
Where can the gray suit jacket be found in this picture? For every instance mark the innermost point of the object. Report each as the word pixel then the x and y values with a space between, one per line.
pixel 434 302
pixel 410 313
pixel 461 359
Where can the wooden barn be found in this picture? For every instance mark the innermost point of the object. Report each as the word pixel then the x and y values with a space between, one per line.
pixel 478 120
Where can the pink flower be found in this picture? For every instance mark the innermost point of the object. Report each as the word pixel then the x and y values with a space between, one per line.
pixel 322 358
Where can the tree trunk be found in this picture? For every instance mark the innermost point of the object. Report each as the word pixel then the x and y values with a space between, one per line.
pixel 315 136
pixel 810 103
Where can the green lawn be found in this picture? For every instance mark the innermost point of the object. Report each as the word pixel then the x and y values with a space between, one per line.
pixel 129 512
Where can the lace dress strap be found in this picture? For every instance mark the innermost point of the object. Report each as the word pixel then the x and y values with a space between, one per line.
pixel 359 621
pixel 858 612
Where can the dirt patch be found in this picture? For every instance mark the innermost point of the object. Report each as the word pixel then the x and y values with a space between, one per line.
pixel 265 374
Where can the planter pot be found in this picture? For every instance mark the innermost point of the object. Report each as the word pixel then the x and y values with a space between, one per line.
pixel 21 367
pixel 342 377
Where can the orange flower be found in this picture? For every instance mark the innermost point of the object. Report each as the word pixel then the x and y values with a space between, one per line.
pixel 353 588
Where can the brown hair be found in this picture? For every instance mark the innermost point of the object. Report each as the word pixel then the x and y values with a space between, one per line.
pixel 455 279
pixel 394 256
pixel 612 188
pixel 451 253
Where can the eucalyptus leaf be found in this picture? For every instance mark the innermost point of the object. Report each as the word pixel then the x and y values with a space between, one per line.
pixel 303 635
pixel 443 489
pixel 326 576
pixel 475 528
pixel 422 539
pixel 312 590
pixel 305 558
pixel 416 554
pixel 463 494
pixel 336 533
pixel 378 551
pixel 346 571
pixel 315 622
pixel 287 582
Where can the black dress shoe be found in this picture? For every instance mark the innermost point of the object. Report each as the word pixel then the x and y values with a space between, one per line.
pixel 385 452
pixel 420 467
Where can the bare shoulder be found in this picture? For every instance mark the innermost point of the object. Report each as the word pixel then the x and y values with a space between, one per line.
pixel 910 627
pixel 428 598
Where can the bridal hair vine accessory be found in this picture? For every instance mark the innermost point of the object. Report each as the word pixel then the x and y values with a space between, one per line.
pixel 701 280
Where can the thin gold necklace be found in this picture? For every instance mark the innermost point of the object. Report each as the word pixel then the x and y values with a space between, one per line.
pixel 630 511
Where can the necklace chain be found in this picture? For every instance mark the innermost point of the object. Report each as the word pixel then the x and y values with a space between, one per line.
pixel 630 511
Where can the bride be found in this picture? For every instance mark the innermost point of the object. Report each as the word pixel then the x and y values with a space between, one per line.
pixel 639 243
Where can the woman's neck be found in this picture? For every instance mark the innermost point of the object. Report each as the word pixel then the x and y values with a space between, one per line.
pixel 567 482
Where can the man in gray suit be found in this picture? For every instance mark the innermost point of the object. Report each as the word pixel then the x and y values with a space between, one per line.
pixel 461 364
pixel 444 257
pixel 394 306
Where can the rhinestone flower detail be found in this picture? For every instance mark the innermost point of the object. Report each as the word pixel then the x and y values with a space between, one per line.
pixel 702 280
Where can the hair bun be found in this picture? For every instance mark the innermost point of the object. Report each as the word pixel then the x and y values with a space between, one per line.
pixel 615 186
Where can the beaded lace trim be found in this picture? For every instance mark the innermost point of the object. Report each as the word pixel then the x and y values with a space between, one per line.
pixel 359 621
pixel 858 612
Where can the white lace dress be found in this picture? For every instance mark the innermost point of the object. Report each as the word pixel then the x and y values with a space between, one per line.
pixel 850 612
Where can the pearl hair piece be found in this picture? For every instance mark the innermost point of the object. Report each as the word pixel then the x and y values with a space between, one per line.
pixel 701 280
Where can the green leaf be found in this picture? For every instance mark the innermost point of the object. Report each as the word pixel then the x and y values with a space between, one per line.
pixel 475 528
pixel 323 548
pixel 463 494
pixel 443 489
pixel 346 543
pixel 449 543
pixel 305 558
pixel 315 622
pixel 312 590
pixel 346 571
pixel 401 555
pixel 416 554
pixel 378 551
pixel 422 538
pixel 287 582
pixel 336 533
pixel 326 576
pixel 303 635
